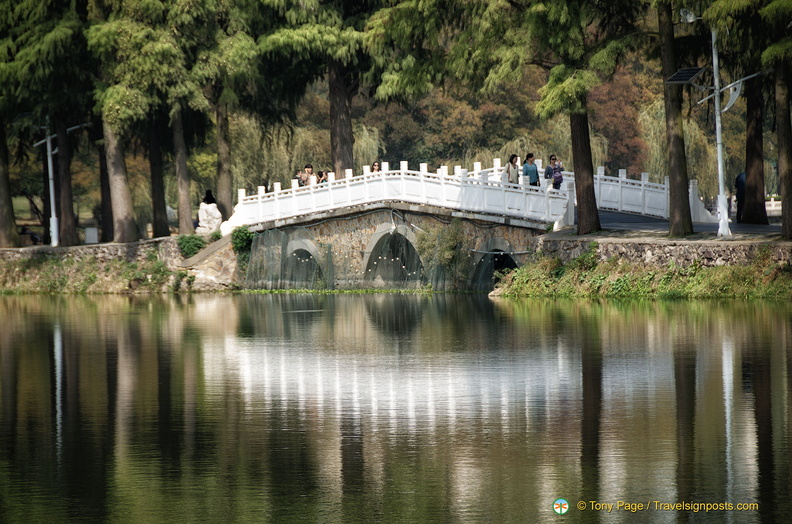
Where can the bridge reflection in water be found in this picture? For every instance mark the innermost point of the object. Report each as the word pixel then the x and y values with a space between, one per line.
pixel 357 408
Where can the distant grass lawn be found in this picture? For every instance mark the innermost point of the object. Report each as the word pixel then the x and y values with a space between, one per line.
pixel 21 208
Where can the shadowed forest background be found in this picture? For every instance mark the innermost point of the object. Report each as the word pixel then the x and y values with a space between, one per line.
pixel 446 127
pixel 153 102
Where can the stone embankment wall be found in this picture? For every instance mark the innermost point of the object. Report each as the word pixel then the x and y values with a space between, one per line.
pixel 215 269
pixel 165 249
pixel 212 270
pixel 661 251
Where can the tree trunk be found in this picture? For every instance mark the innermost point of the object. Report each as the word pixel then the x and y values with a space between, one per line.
pixel 124 228
pixel 182 175
pixel 224 194
pixel 105 207
pixel 588 216
pixel 342 140
pixel 680 222
pixel 159 212
pixel 9 236
pixel 67 223
pixel 784 133
pixel 755 211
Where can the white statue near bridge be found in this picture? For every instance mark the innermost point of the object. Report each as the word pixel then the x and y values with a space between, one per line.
pixel 209 217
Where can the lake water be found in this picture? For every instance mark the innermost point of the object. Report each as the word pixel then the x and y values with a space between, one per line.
pixel 392 408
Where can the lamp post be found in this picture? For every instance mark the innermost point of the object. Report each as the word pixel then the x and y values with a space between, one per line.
pixel 54 235
pixel 53 213
pixel 723 209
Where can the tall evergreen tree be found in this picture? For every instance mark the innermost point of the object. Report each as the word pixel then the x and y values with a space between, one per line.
pixel 778 55
pixel 115 40
pixel 9 236
pixel 53 82
pixel 680 222
pixel 226 68
pixel 747 33
pixel 326 36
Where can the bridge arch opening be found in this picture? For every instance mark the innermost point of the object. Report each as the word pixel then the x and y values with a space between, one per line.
pixel 393 261
pixel 301 269
pixel 492 256
pixel 287 259
pixel 483 278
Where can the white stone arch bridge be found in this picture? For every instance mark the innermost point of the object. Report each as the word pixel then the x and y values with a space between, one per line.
pixel 483 191
pixel 360 231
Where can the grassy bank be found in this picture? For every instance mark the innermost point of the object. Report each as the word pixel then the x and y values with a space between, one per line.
pixel 586 276
pixel 67 275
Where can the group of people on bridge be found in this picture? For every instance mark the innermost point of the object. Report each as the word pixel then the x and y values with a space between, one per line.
pixel 530 171
pixel 303 176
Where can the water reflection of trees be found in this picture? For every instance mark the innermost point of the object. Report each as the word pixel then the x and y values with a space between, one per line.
pixel 184 391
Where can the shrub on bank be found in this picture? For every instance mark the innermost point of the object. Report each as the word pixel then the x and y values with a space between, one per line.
pixel 242 242
pixel 586 276
pixel 190 245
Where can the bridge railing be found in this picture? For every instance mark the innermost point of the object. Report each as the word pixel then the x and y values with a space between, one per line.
pixel 465 191
pixel 480 190
pixel 612 193
pixel 631 196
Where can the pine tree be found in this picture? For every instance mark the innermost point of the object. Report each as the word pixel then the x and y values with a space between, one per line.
pixel 327 37
pixel 778 55
pixel 741 25
pixel 52 82
pixel 9 236
pixel 680 222
pixel 226 68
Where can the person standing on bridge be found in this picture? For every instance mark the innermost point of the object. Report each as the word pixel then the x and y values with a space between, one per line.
pixel 548 172
pixel 558 176
pixel 375 167
pixel 307 174
pixel 530 171
pixel 512 170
